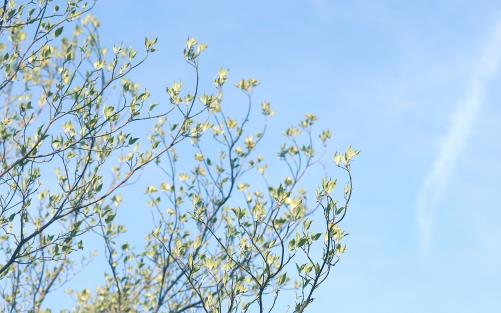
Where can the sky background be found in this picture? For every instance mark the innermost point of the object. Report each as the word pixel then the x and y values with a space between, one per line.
pixel 413 84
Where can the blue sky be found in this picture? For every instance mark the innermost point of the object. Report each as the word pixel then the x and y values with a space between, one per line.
pixel 413 84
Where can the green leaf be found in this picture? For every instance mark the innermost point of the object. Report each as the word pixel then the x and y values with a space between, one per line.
pixel 316 236
pixel 302 242
pixel 58 31
pixel 109 218
pixel 282 279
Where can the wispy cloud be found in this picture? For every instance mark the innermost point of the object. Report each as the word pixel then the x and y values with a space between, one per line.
pixel 462 122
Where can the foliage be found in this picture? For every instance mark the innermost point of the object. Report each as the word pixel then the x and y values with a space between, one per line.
pixel 221 241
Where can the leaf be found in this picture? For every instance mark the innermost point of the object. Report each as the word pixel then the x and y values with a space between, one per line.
pixel 282 279
pixel 150 189
pixel 302 242
pixel 316 236
pixel 109 218
pixel 58 31
pixel 306 224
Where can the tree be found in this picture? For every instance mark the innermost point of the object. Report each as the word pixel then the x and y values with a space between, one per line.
pixel 222 240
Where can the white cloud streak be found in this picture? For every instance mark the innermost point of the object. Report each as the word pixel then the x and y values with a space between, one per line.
pixel 454 141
